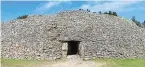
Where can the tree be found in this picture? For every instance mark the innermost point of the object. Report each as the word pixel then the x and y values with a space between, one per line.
pixel 136 22
pixel 115 14
pixel 22 17
pixel 88 10
pixel 110 13
pixel 105 13
pixel 80 9
pixel 133 19
pixel 100 12
pixel 144 23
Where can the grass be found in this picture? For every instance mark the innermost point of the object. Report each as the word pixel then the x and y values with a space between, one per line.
pixel 130 63
pixel 19 63
pixel 122 62
pixel 28 63
pixel 108 62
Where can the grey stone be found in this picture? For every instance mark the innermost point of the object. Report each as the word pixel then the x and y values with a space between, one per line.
pixel 42 37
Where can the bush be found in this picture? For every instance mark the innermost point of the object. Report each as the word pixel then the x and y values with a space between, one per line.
pixel 22 17
pixel 115 14
pixel 111 13
pixel 105 13
pixel 88 10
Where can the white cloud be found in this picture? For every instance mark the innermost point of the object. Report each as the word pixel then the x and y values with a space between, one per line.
pixel 50 4
pixel 47 6
pixel 111 5
pixel 119 6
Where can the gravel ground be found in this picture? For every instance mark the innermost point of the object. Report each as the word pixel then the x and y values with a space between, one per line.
pixel 71 61
pixel 75 61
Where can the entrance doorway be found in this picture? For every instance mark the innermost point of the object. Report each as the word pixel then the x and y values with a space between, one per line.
pixel 73 47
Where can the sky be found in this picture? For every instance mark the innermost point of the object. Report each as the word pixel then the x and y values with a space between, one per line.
pixel 12 9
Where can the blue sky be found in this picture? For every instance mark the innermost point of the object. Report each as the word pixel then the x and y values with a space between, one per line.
pixel 12 9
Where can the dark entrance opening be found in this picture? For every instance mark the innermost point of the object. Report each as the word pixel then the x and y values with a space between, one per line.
pixel 73 47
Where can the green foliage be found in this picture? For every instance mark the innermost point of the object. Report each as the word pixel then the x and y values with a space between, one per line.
pixel 100 12
pixel 80 9
pixel 133 19
pixel 22 17
pixel 136 22
pixel 88 10
pixel 144 23
pixel 105 13
pixel 115 14
pixel 111 13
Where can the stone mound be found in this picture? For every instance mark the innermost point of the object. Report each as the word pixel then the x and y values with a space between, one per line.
pixel 42 36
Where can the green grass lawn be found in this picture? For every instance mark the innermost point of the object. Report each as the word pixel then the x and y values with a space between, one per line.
pixel 130 63
pixel 108 62
pixel 19 63
pixel 122 62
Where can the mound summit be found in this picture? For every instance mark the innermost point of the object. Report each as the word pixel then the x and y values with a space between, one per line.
pixel 79 32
